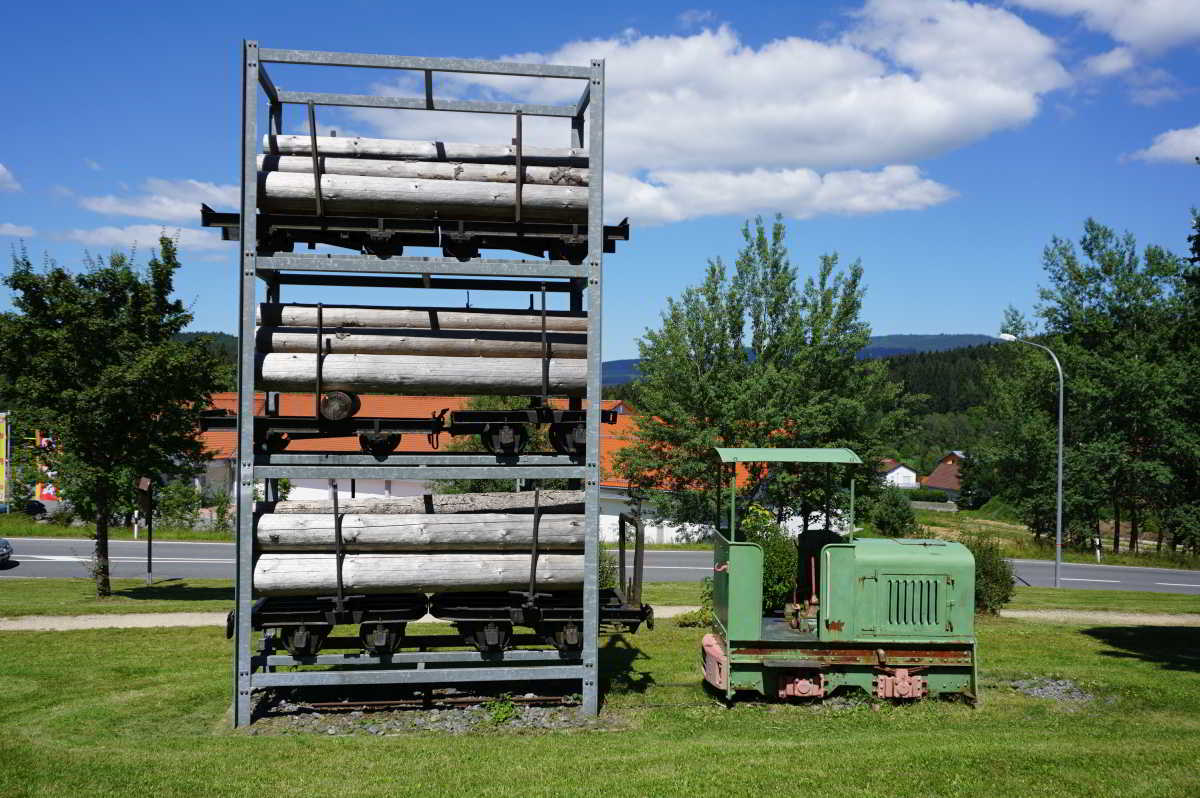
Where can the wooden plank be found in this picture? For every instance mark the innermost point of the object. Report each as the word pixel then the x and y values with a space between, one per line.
pixel 306 574
pixel 273 314
pixel 419 532
pixel 414 375
pixel 407 150
pixel 550 501
pixel 284 192
pixel 450 343
pixel 427 170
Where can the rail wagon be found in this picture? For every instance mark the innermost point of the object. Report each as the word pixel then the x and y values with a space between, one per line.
pixel 891 617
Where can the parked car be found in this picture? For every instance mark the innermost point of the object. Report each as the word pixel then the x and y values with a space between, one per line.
pixel 5 550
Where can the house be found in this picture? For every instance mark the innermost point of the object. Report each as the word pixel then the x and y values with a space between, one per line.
pixel 945 475
pixel 898 474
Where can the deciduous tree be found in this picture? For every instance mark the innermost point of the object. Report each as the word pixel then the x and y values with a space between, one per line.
pixel 91 359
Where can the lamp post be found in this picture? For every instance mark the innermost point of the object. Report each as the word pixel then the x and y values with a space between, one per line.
pixel 1058 515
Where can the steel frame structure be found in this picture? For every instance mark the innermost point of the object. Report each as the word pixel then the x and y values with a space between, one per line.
pixel 253 672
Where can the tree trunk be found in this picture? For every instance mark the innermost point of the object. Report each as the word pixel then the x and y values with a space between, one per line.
pixel 350 195
pixel 1134 529
pixel 402 150
pixel 316 574
pixel 400 533
pixel 103 586
pixel 551 501
pixel 451 343
pixel 425 170
pixel 272 314
pixel 420 376
pixel 1116 527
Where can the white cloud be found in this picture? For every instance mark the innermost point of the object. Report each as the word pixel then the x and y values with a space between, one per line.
pixel 165 200
pixel 1174 145
pixel 17 230
pixel 801 193
pixel 910 80
pixel 1149 25
pixel 8 182
pixel 144 235
pixel 695 17
pixel 1113 62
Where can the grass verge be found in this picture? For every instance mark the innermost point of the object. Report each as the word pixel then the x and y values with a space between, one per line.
pixel 1016 541
pixel 148 713
pixel 19 525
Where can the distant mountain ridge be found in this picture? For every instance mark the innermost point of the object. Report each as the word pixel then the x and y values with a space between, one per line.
pixel 618 372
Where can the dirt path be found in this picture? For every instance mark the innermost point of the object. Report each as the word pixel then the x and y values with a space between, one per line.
pixel 143 620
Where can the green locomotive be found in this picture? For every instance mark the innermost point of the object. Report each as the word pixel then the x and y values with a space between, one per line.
pixel 893 617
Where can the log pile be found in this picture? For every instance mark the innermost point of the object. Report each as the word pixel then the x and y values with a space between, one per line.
pixel 426 352
pixel 399 546
pixel 422 179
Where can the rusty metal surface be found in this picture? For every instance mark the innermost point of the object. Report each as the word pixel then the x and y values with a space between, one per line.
pixel 861 656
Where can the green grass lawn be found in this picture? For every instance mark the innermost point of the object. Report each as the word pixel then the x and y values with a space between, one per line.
pixel 146 712
pixel 77 597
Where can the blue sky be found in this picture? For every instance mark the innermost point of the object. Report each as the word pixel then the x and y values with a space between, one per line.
pixel 941 142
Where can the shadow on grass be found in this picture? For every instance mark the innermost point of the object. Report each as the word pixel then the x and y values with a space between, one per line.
pixel 176 591
pixel 1175 648
pixel 617 671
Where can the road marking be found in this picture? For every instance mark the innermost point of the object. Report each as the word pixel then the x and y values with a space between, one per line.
pixel 65 558
pixel 1174 584
pixel 676 568
pixel 1110 581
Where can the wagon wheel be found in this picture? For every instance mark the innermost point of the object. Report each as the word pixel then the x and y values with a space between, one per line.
pixel 568 438
pixel 304 641
pixel 500 439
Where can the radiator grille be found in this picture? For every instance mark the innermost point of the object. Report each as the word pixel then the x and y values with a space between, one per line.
pixel 913 601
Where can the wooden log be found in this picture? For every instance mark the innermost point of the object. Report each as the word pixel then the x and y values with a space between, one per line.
pixel 273 314
pixel 283 192
pixel 401 533
pixel 301 574
pixel 413 375
pixel 451 343
pixel 405 150
pixel 521 502
pixel 426 170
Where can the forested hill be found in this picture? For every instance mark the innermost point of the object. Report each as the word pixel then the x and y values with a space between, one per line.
pixel 619 372
pixel 891 345
pixel 952 379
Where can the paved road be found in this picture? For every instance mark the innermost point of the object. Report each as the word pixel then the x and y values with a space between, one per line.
pixel 58 557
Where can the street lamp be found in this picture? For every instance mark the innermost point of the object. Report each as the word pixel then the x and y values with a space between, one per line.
pixel 1058 517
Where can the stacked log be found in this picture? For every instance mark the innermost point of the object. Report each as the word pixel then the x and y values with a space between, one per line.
pixel 426 352
pixel 316 574
pixel 397 546
pixel 422 179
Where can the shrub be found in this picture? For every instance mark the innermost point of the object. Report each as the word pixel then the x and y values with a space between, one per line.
pixel 779 555
pixel 607 574
pixel 177 504
pixel 993 574
pixel 703 616
pixel 927 495
pixel 222 505
pixel 892 514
